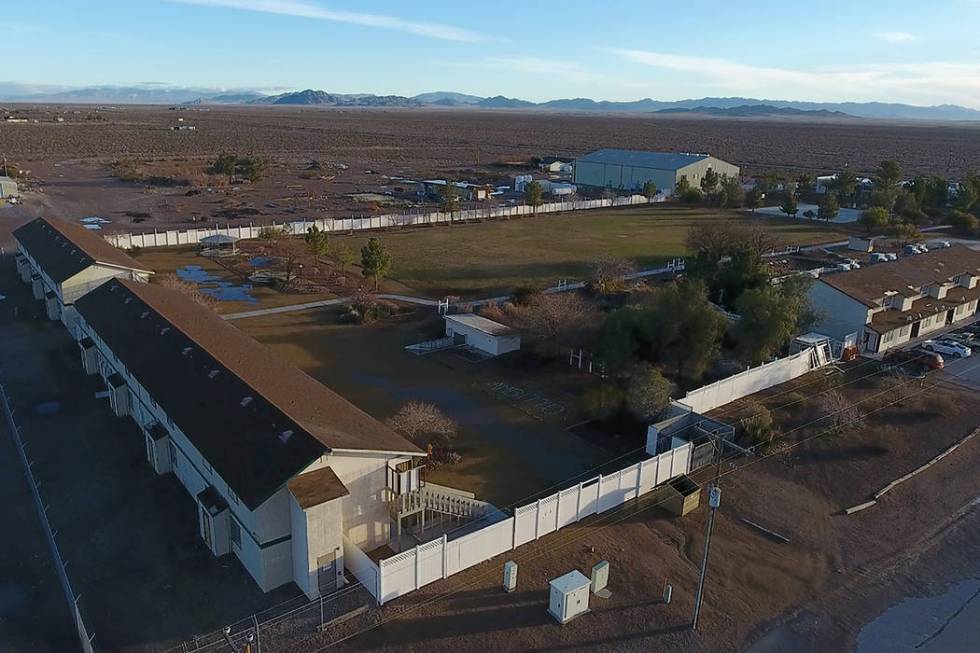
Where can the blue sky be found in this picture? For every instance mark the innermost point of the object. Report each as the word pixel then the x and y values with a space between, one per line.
pixel 898 50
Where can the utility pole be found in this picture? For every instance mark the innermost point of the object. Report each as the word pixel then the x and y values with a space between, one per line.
pixel 714 500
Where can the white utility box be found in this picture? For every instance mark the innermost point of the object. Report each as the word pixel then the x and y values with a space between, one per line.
pixel 600 576
pixel 510 576
pixel 569 596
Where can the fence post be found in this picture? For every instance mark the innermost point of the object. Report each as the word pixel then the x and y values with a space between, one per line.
pixel 578 503
pixel 513 538
pixel 445 557
pixel 418 565
pixel 537 518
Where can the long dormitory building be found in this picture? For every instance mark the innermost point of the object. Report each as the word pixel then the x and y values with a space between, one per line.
pixel 285 473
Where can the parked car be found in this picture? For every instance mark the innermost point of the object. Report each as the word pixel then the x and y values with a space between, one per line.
pixel 973 328
pixel 947 348
pixel 965 339
pixel 917 356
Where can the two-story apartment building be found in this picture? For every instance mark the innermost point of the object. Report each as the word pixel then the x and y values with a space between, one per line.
pixel 282 469
pixel 888 304
pixel 62 261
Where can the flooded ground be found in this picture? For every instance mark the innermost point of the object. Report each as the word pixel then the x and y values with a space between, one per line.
pixel 215 286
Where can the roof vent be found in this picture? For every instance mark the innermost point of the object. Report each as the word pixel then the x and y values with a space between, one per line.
pixel 213 373
pixel 186 350
pixel 285 435
pixel 246 401
pixel 143 314
pixel 127 300
pixel 164 330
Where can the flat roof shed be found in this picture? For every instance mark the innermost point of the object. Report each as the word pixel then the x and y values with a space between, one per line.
pixel 483 334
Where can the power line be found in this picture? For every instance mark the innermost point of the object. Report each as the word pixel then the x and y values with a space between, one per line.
pixel 346 591
pixel 633 513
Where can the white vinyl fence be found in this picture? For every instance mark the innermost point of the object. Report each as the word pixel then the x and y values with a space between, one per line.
pixel 174 237
pixel 438 559
pixel 753 380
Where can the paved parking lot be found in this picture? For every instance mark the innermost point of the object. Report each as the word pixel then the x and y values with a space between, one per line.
pixel 130 537
pixel 964 372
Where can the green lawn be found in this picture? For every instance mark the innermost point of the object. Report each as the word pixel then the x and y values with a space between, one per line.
pixel 494 257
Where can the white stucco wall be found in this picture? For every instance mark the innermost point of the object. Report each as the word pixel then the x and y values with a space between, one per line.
pixel 840 314
pixel 365 512
pixel 317 533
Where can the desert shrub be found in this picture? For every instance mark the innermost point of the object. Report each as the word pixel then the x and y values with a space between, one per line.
pixel 794 401
pixel 758 427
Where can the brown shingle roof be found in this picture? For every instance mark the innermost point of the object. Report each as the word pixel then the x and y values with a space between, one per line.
pixel 316 487
pixel 257 420
pixel 870 284
pixel 63 249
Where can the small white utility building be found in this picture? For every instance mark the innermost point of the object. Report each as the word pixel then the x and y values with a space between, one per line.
pixel 480 333
pixel 569 596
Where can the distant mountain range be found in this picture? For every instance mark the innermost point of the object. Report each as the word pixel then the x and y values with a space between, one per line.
pixel 716 106
pixel 757 111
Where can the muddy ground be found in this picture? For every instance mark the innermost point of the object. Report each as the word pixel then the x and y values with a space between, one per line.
pixel 834 574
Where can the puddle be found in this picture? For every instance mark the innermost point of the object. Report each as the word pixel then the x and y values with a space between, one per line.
pixel 195 273
pixel 210 284
pixel 225 291
pixel 260 261
pixel 945 623
pixel 48 408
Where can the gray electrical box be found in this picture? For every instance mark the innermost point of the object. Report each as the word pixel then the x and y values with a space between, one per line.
pixel 600 576
pixel 510 576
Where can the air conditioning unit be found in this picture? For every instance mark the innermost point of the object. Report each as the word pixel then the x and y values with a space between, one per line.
pixel 569 596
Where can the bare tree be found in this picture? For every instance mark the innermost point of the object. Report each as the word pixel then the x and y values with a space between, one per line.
pixel 840 413
pixel 557 320
pixel 192 290
pixel 609 274
pixel 422 422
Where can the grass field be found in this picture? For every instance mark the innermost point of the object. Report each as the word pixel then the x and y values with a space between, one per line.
pixel 494 257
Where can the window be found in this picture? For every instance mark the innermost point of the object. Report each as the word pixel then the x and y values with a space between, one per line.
pixel 236 532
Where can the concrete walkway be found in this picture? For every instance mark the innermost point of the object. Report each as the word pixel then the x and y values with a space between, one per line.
pixel 421 301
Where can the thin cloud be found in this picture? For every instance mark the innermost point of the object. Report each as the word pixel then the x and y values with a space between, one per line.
pixel 926 82
pixel 896 37
pixel 571 71
pixel 301 9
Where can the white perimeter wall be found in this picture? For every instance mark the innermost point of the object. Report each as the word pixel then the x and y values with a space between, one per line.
pixel 412 569
pixel 750 381
pixel 299 227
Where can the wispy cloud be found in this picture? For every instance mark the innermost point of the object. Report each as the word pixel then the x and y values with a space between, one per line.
pixel 570 71
pixel 302 9
pixel 924 82
pixel 896 37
